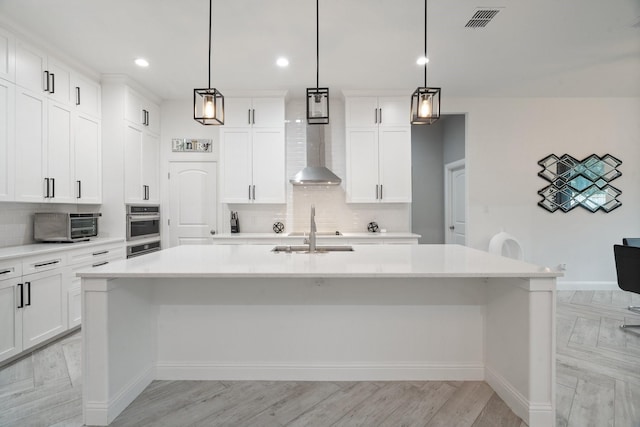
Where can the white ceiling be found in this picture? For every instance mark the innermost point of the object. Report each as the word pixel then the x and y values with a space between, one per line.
pixel 531 48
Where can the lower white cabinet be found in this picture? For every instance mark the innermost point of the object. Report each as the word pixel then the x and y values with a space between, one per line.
pixel 40 295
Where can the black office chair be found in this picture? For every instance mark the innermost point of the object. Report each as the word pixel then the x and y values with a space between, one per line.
pixel 628 270
pixel 631 241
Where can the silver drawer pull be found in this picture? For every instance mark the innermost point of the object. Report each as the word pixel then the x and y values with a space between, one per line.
pixel 100 253
pixel 6 271
pixel 46 263
pixel 100 263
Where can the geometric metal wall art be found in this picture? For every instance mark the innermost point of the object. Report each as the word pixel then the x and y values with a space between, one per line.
pixel 583 183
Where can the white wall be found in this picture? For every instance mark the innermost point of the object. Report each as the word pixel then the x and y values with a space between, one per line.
pixel 505 138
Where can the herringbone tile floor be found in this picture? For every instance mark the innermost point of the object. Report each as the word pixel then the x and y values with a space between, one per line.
pixel 598 384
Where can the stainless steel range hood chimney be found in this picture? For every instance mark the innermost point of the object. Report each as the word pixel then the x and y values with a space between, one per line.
pixel 315 173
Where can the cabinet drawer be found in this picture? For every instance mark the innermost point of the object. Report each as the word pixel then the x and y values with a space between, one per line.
pixel 10 269
pixel 43 263
pixel 95 254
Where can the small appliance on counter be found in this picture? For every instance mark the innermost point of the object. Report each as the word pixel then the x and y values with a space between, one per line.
pixel 235 222
pixel 65 226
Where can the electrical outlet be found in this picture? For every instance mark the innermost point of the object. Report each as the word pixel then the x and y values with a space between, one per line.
pixel 562 267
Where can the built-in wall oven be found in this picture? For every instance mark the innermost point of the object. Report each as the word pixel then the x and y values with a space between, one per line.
pixel 143 229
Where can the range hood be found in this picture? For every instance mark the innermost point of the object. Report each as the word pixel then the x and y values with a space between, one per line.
pixel 315 173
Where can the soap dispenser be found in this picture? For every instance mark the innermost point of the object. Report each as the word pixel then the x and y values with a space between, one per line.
pixel 235 222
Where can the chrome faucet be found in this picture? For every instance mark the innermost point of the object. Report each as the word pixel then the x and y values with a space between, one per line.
pixel 312 230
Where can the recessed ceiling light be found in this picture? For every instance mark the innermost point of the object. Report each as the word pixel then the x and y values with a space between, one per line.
pixel 422 60
pixel 282 62
pixel 141 62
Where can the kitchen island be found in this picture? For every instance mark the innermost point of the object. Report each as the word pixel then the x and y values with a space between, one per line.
pixel 380 312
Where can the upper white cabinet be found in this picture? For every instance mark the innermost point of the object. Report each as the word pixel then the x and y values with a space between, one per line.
pixel 141 165
pixel 7 139
pixel 252 151
pixel 258 112
pixel 57 131
pixel 141 111
pixel 378 142
pixel 7 56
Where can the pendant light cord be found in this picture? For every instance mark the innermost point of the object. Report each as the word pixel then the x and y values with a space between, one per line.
pixel 317 45
pixel 425 43
pixel 210 14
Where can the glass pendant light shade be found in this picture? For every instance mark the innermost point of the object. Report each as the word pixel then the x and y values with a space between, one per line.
pixel 318 106
pixel 425 105
pixel 208 106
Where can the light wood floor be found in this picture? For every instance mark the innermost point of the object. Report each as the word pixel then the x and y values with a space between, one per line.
pixel 598 384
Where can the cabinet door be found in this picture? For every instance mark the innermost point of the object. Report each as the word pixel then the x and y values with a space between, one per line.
pixel 60 153
pixel 7 139
pixel 150 163
pixel 153 116
pixel 235 154
pixel 132 161
pixel 31 65
pixel 268 112
pixel 45 311
pixel 87 160
pixel 86 95
pixel 10 319
pixel 395 164
pixel 361 111
pixel 362 165
pixel 30 146
pixel 60 81
pixel 394 111
pixel 133 106
pixel 237 112
pixel 268 165
pixel 7 56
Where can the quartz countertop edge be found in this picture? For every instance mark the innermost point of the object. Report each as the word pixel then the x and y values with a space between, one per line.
pixel 323 235
pixel 11 252
pixel 366 261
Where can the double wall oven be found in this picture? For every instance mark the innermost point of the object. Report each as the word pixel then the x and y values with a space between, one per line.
pixel 143 229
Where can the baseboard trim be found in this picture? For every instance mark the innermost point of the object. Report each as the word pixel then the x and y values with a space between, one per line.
pixel 563 285
pixel 103 413
pixel 534 414
pixel 325 372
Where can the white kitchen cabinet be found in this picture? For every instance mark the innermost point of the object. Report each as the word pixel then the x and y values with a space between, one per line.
pixel 7 56
pixel 10 316
pixel 258 112
pixel 86 95
pixel 45 307
pixel 7 139
pixel 141 111
pixel 378 150
pixel 253 165
pixel 141 160
pixel 85 259
pixel 48 123
pixel 87 160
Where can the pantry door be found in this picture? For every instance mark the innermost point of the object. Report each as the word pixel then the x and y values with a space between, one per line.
pixel 192 202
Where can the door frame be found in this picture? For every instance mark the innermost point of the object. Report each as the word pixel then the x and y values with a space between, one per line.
pixel 449 168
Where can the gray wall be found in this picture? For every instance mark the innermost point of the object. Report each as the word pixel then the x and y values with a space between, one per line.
pixel 431 147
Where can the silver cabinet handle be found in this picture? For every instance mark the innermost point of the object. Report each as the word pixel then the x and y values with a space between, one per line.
pixel 79 190
pixel 375 119
pixel 42 264
pixel 77 95
pixel 380 121
pixel 249 192
pixel 380 191
pixel 100 253
pixel 100 263
pixel 253 114
pixel 249 116
pixel 254 192
pixel 451 227
pixel 45 81
pixel 377 193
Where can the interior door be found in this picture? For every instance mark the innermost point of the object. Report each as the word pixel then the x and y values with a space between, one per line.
pixel 456 227
pixel 192 202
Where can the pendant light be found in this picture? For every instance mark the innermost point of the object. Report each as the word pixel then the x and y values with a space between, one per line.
pixel 208 104
pixel 318 97
pixel 425 101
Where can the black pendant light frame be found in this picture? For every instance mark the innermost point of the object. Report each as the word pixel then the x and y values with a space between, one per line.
pixel 425 101
pixel 208 104
pixel 318 97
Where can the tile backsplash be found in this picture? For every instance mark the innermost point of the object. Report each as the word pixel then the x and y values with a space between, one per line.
pixel 332 212
pixel 16 220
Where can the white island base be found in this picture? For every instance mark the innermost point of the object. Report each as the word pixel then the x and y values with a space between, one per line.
pixel 414 312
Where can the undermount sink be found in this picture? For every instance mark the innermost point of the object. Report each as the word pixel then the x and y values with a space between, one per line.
pixel 304 249
pixel 318 233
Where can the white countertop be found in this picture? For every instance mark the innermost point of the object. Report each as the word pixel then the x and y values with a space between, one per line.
pixel 379 235
pixel 365 261
pixel 43 248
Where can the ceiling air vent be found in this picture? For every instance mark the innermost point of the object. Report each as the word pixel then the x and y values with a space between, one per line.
pixel 481 18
